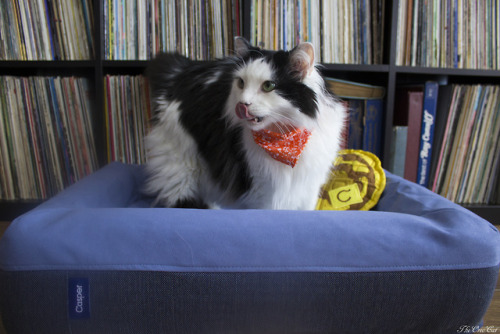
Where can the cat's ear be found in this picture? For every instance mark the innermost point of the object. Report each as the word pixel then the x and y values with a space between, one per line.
pixel 302 60
pixel 241 46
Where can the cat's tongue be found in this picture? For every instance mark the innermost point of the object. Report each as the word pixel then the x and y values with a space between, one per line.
pixel 242 111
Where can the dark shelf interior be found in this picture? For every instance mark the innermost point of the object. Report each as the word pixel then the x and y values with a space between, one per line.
pixel 488 212
pixel 9 210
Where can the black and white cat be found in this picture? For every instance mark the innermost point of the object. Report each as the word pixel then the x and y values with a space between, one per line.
pixel 202 148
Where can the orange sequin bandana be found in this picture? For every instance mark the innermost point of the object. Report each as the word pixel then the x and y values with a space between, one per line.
pixel 285 148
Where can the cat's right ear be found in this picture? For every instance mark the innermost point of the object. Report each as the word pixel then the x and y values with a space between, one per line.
pixel 241 46
pixel 302 60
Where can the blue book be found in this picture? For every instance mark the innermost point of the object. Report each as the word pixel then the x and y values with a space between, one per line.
pixel 372 131
pixel 355 137
pixel 427 132
pixel 398 150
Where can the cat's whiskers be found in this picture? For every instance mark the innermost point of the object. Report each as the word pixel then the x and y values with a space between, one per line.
pixel 280 128
pixel 283 123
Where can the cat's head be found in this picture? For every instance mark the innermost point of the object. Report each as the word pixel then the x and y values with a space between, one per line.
pixel 274 89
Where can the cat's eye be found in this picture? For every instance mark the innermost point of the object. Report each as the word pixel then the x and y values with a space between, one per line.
pixel 268 86
pixel 240 83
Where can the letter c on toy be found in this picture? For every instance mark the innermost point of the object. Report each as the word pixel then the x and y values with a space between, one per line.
pixel 345 200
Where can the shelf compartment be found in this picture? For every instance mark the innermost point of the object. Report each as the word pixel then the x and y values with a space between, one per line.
pixel 13 209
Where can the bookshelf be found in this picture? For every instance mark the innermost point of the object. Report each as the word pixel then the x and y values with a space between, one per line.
pixel 388 73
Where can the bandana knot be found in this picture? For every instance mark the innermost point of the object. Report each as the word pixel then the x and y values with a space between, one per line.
pixel 285 148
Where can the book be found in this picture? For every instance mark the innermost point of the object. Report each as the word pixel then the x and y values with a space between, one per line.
pixel 409 107
pixel 427 132
pixel 372 126
pixel 354 90
pixel 398 150
pixel 365 105
pixel 355 124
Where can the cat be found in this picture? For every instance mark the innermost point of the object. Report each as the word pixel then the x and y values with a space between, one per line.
pixel 203 149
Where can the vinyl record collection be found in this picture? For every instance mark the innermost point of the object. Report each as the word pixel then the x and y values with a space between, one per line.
pixel 128 111
pixel 46 30
pixel 467 166
pixel 342 31
pixel 46 137
pixel 456 34
pixel 199 29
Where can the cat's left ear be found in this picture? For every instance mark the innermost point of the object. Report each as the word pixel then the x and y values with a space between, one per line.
pixel 302 60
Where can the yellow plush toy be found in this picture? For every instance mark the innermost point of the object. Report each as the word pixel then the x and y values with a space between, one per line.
pixel 356 182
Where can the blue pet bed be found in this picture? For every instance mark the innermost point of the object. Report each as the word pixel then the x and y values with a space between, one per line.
pixel 97 259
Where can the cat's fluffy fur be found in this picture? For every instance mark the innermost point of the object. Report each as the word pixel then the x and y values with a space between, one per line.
pixel 201 154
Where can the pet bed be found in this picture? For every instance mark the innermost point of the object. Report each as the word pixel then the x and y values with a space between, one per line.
pixel 96 259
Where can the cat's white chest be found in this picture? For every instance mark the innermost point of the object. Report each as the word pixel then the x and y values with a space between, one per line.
pixel 279 186
pixel 276 185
